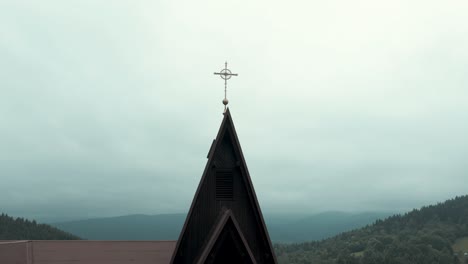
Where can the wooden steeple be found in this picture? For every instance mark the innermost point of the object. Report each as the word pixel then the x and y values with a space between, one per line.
pixel 225 223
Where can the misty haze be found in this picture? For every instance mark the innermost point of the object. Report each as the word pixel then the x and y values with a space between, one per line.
pixel 350 116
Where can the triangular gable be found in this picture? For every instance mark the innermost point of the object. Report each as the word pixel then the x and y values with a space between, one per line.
pixel 225 183
pixel 226 236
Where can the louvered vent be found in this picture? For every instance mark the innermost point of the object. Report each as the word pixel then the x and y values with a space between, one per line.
pixel 224 186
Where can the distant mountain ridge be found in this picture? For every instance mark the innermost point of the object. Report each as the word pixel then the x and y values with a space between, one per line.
pixel 128 227
pixel 282 228
pixel 319 226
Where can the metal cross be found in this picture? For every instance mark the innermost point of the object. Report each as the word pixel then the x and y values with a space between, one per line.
pixel 225 74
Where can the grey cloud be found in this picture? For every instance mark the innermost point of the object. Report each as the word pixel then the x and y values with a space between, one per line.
pixel 110 107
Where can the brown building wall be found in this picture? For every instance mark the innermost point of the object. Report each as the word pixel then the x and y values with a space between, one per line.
pixel 14 252
pixel 86 252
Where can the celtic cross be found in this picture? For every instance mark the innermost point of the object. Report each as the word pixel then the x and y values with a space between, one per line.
pixel 225 74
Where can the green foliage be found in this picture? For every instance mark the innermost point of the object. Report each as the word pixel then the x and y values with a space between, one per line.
pixel 23 229
pixel 422 236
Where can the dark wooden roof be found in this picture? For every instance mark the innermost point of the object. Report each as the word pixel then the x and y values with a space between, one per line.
pixel 226 229
pixel 225 185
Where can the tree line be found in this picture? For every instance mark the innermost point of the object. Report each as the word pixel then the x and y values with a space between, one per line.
pixel 422 236
pixel 23 229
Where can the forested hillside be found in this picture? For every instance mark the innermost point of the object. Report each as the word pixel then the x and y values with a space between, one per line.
pixel 23 229
pixel 422 236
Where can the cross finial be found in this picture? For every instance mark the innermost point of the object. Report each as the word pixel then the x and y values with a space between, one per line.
pixel 225 74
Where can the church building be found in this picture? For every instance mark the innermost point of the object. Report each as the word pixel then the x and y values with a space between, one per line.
pixel 224 223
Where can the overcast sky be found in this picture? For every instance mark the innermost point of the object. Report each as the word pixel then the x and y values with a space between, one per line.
pixel 109 107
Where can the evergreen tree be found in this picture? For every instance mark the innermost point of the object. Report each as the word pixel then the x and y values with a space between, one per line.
pixel 23 229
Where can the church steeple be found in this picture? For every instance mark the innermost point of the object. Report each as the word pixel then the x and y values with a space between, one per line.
pixel 224 223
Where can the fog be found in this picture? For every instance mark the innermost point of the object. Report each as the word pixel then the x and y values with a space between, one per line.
pixel 110 107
